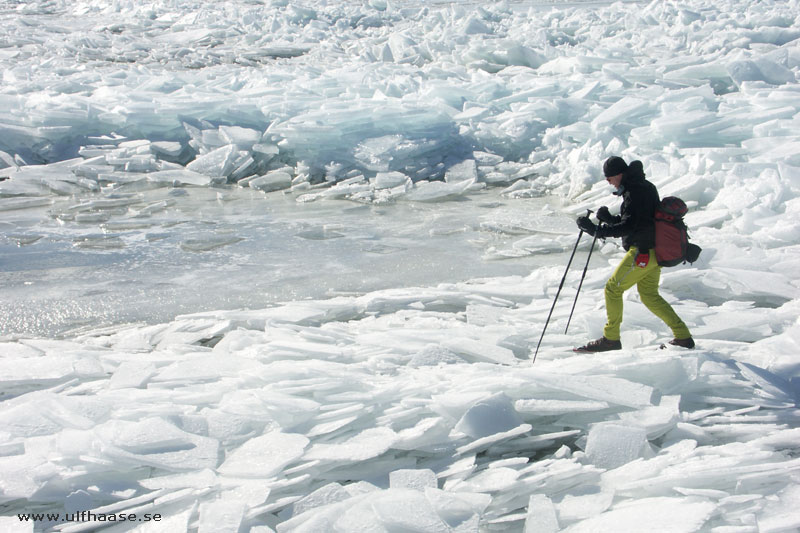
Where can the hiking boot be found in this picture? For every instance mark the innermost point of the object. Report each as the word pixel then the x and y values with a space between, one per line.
pixel 600 345
pixel 683 343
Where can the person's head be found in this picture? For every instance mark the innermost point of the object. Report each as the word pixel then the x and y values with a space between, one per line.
pixel 613 169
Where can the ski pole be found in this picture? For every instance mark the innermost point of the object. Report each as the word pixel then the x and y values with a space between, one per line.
pixel 560 286
pixel 581 283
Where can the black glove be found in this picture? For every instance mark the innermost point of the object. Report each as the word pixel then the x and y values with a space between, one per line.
pixel 586 225
pixel 603 215
pixel 602 231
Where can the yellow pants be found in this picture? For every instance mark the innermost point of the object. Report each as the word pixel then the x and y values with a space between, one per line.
pixel 646 280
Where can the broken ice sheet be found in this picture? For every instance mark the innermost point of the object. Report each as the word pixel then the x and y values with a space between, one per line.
pixel 548 407
pixel 676 515
pixel 24 475
pixel 611 445
pixel 541 517
pixel 729 149
pixel 368 444
pixel 325 495
pixel 99 242
pixel 583 503
pixel 488 480
pixel 155 442
pixel 407 510
pixel 221 516
pixel 320 234
pixel 201 478
pixel 413 479
pixel 24 240
pixel 264 456
pixel 46 370
pixel 489 416
pixel 131 374
pixel 479 350
pixel 209 242
pixel 613 390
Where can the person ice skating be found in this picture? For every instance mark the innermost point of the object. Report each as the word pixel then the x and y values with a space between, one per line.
pixel 639 266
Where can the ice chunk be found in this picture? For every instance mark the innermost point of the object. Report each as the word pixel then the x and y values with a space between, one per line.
pixel 495 414
pixel 780 513
pixel 251 492
pixel 556 407
pixel 487 442
pixel 407 510
pixel 489 480
pixel 99 242
pixel 264 456
pixel 179 177
pixel 389 180
pixel 21 202
pixel 131 374
pixel 437 191
pixel 676 515
pixel 611 445
pixel 458 509
pixel 273 181
pixel 47 369
pixel 244 138
pixel 368 444
pixel 208 243
pixel 479 350
pixel 413 479
pixel 23 475
pixel 13 523
pixel 473 26
pixel 171 149
pixel 613 390
pixel 358 517
pixel 771 384
pixel 464 171
pixel 763 70
pixel 156 442
pixel 433 355
pixel 426 432
pixel 199 479
pixel 541 517
pixel 399 152
pixel 265 151
pixel 626 109
pixel 587 503
pixel 216 163
pixel 323 496
pixel 221 516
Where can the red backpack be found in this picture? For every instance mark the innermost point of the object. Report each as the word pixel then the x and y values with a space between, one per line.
pixel 672 237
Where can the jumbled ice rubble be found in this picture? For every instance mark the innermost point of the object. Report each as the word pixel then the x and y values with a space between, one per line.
pixel 406 409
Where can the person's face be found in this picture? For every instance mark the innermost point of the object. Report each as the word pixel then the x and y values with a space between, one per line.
pixel 616 181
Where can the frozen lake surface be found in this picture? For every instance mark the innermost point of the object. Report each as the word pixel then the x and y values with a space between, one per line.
pixel 228 248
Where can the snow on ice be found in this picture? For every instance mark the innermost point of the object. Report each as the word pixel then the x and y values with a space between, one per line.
pixel 281 266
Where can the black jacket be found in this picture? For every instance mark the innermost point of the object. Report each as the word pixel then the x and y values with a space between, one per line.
pixel 639 202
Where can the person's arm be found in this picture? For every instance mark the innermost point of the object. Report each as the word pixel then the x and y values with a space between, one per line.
pixel 626 223
pixel 605 216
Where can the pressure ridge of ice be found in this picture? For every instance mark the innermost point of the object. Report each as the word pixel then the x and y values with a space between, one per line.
pixel 408 407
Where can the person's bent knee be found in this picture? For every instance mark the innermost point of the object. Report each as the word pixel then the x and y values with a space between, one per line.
pixel 613 290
